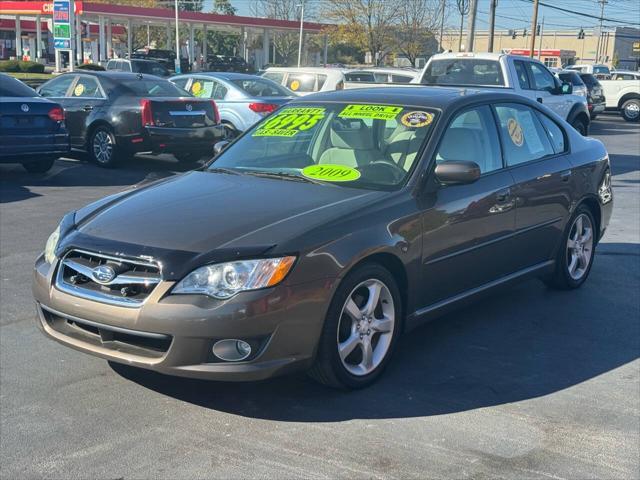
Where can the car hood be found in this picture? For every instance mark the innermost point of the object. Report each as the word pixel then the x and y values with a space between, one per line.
pixel 202 216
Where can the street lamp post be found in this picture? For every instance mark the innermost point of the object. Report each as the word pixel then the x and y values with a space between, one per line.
pixel 301 5
pixel 177 61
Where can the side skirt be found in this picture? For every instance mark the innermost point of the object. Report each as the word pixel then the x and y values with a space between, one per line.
pixel 442 307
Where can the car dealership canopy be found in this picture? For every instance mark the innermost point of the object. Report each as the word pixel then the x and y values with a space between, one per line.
pixel 109 19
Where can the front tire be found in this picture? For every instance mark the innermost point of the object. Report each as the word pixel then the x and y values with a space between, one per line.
pixel 580 126
pixel 361 329
pixel 576 252
pixel 39 166
pixel 631 110
pixel 102 147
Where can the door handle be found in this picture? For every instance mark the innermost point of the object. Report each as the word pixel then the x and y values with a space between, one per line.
pixel 539 99
pixel 87 108
pixel 566 175
pixel 503 195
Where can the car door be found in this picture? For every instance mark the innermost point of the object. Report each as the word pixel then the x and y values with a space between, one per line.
pixel 546 89
pixel 468 229
pixel 83 100
pixel 535 151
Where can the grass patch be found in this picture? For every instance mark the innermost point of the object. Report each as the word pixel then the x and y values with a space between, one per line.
pixel 34 76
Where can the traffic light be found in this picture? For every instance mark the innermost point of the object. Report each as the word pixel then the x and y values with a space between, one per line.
pixel 581 34
pixel 514 34
pixel 524 34
pixel 538 29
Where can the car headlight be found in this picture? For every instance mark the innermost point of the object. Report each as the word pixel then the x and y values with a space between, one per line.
pixel 224 280
pixel 51 245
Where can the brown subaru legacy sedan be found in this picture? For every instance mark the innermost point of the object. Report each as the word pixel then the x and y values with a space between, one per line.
pixel 325 231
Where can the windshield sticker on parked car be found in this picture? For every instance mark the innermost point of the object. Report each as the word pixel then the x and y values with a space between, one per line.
pixel 290 121
pixel 416 119
pixel 331 173
pixel 375 112
pixel 79 90
pixel 515 132
pixel 295 85
pixel 200 90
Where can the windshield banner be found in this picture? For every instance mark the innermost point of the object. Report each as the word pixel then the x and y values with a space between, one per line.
pixel 375 112
pixel 290 121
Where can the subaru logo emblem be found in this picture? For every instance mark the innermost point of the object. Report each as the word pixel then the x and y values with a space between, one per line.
pixel 24 107
pixel 189 107
pixel 103 274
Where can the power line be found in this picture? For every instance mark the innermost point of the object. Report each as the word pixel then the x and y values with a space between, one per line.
pixel 581 14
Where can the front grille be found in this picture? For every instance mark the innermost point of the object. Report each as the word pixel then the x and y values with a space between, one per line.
pixel 107 279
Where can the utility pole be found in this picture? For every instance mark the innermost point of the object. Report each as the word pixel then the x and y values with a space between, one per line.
pixel 301 25
pixel 177 65
pixel 443 7
pixel 534 25
pixel 602 4
pixel 472 25
pixel 492 23
pixel 541 35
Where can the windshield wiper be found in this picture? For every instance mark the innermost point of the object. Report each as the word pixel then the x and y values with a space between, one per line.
pixel 223 170
pixel 285 176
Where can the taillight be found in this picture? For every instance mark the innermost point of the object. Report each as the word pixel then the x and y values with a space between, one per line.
pixel 147 114
pixel 216 113
pixel 262 107
pixel 56 114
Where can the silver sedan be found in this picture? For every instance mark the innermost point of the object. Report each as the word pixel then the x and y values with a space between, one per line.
pixel 242 99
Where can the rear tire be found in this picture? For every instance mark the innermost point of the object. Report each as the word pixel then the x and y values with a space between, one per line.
pixel 360 330
pixel 631 110
pixel 39 166
pixel 576 253
pixel 102 147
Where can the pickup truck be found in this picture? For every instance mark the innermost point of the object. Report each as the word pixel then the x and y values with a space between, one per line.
pixel 623 95
pixel 516 74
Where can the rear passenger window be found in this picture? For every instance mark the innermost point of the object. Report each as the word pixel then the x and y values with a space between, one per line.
pixel 301 82
pixel 523 137
pixel 521 72
pixel 86 87
pixel 472 136
pixel 556 135
pixel 274 76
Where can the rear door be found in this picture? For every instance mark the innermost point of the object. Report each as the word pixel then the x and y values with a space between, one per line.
pixel 536 154
pixel 84 99
pixel 468 229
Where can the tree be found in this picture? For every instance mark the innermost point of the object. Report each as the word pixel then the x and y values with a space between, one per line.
pixel 224 44
pixel 223 7
pixel 418 20
pixel 286 43
pixel 365 23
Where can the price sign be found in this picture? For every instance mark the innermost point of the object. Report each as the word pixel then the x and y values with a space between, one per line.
pixel 62 24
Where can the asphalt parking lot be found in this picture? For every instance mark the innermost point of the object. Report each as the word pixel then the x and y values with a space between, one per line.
pixel 529 383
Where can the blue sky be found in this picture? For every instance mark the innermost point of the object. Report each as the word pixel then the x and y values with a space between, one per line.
pixel 516 14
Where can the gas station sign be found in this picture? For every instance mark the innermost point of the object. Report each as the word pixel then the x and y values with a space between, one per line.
pixel 62 24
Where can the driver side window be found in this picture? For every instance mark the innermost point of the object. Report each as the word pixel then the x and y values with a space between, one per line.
pixel 472 136
pixel 542 78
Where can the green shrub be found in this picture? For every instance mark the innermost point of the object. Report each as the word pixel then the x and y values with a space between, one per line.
pixel 31 67
pixel 91 66
pixel 9 66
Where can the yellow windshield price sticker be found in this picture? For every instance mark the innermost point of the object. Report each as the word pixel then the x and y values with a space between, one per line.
pixel 375 112
pixel 295 85
pixel 515 132
pixel 196 88
pixel 79 90
pixel 331 173
pixel 290 121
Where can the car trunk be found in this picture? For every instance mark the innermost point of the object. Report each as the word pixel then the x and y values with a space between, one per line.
pixel 26 116
pixel 179 113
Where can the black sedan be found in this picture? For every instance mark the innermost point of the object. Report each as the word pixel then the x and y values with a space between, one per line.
pixel 596 102
pixel 325 231
pixel 113 115
pixel 32 128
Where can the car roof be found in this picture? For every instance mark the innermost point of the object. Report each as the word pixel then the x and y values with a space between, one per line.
pixel 224 75
pixel 308 69
pixel 112 74
pixel 631 72
pixel 416 96
pixel 397 71
pixel 481 55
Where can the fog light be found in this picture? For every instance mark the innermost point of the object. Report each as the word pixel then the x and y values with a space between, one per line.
pixel 231 350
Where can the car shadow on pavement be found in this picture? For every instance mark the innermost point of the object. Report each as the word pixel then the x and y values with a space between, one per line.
pixel 15 181
pixel 621 164
pixel 519 344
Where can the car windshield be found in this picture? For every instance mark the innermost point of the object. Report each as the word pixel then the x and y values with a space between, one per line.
pixel 354 145
pixel 463 71
pixel 150 68
pixel 589 80
pixel 10 87
pixel 154 88
pixel 260 88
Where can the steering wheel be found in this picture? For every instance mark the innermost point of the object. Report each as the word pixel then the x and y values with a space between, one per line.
pixel 383 171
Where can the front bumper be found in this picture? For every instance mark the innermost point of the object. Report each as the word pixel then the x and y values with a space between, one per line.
pixel 174 334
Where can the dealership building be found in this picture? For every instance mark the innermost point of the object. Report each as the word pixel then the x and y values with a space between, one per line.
pixel 104 31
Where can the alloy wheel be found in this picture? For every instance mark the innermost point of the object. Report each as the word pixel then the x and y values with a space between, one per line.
pixel 580 247
pixel 102 147
pixel 365 328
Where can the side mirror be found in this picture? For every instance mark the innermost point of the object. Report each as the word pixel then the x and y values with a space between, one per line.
pixel 566 88
pixel 219 147
pixel 457 172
